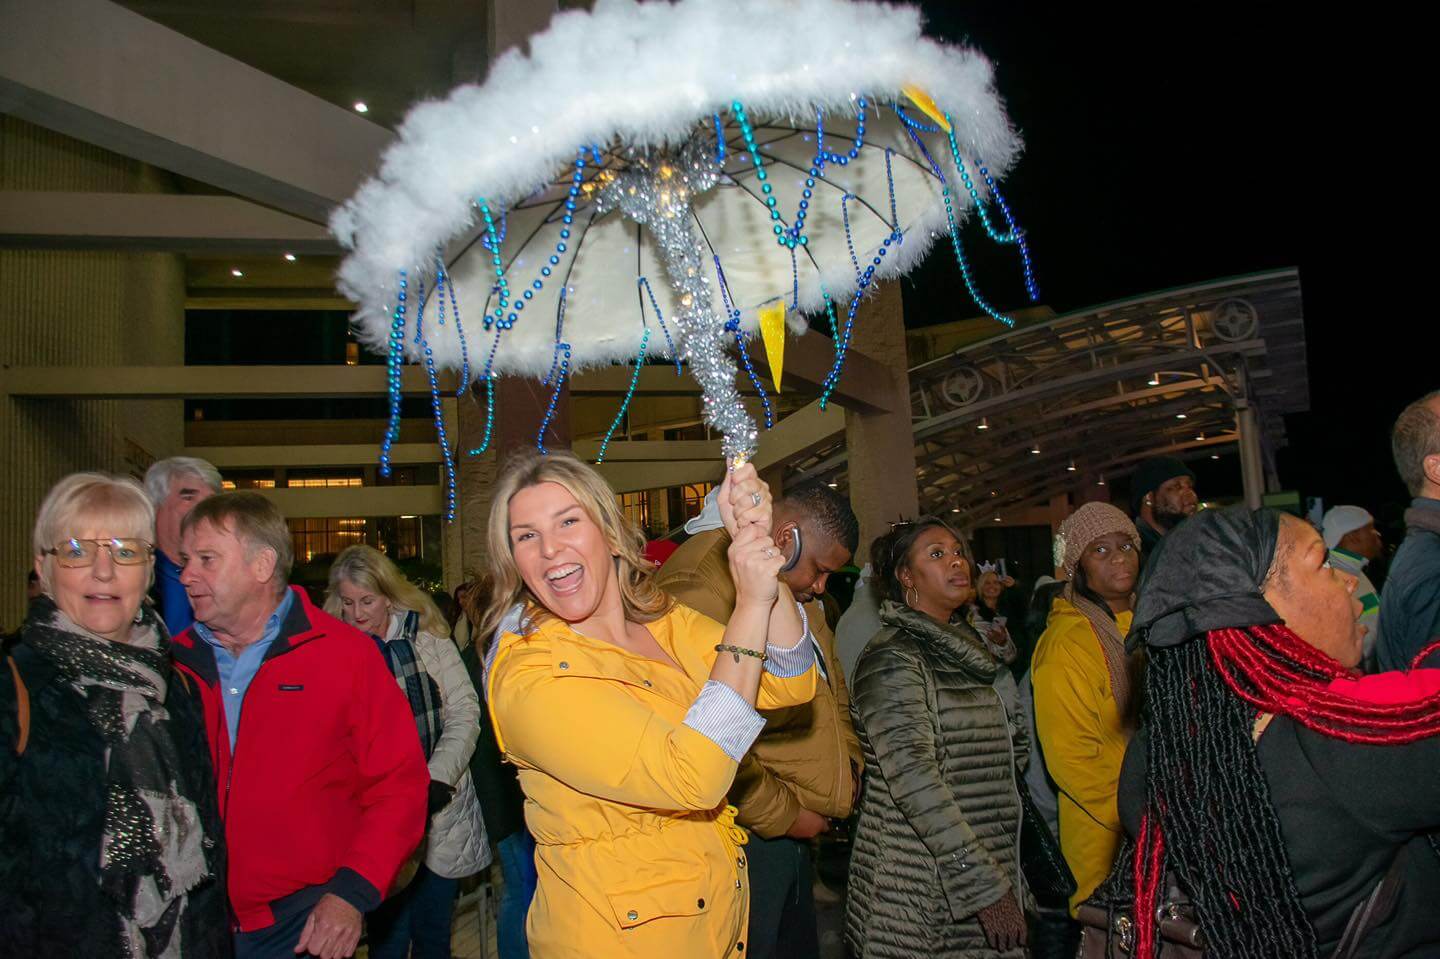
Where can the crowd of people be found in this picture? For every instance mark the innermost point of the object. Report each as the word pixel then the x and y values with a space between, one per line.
pixel 1209 732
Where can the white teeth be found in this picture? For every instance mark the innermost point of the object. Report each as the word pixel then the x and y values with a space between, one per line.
pixel 562 572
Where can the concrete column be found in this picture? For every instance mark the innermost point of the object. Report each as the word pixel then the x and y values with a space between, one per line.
pixel 1252 461
pixel 882 445
pixel 520 404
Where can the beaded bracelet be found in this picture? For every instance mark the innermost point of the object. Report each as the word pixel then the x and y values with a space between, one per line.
pixel 738 651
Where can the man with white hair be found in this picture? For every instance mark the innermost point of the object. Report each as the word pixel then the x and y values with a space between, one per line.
pixel 175 485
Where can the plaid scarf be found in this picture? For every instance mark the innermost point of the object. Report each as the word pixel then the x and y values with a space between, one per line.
pixel 419 687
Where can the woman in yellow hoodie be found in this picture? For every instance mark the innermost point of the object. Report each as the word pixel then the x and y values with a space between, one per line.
pixel 1083 679
pixel 627 714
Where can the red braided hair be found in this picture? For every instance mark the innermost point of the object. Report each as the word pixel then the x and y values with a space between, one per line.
pixel 1276 671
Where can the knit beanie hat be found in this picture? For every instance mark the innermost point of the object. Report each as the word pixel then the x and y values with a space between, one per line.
pixel 1085 526
pixel 1151 474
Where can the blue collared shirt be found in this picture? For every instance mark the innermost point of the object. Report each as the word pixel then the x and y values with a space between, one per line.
pixel 237 672
pixel 174 601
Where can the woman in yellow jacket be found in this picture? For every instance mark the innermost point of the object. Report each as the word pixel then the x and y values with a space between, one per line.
pixel 1083 682
pixel 627 714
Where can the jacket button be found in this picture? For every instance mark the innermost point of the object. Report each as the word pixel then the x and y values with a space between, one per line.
pixel 700 904
pixel 737 883
pixel 648 683
pixel 739 947
pixel 632 915
pixel 739 860
pixel 564 665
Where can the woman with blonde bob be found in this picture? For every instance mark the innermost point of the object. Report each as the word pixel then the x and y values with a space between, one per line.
pixel 110 835
pixel 369 592
pixel 627 713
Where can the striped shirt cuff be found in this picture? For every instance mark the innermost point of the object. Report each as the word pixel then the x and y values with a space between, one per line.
pixel 796 661
pixel 723 716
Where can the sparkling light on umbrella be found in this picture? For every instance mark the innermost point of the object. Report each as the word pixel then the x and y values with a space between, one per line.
pixel 666 179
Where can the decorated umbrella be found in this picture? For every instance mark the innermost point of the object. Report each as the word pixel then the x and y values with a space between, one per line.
pixel 666 180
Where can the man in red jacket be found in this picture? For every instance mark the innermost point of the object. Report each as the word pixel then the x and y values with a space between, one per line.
pixel 322 782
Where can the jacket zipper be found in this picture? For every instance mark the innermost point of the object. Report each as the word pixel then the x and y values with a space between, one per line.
pixel 1019 804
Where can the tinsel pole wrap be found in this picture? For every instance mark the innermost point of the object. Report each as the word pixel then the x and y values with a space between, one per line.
pixel 657 191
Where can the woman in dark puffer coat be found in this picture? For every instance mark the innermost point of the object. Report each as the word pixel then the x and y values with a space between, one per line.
pixel 935 869
pixel 109 828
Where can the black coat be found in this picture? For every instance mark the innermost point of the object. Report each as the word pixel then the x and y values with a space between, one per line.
pixel 1346 810
pixel 52 806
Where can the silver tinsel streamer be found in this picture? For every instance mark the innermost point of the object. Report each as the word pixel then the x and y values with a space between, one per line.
pixel 657 190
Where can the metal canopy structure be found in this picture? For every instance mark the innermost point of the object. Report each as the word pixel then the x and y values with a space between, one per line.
pixel 1049 408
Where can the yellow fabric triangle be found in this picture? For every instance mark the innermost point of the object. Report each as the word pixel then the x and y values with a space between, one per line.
pixel 922 100
pixel 772 331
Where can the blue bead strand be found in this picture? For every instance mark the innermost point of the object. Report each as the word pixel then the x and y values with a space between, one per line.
pixel 439 411
pixel 394 359
pixel 964 264
pixel 659 318
pixel 559 335
pixel 842 159
pixel 970 188
pixel 625 404
pixel 564 358
pixel 1032 286
pixel 733 326
pixel 489 399
pixel 502 285
pixel 459 330
pixel 719 139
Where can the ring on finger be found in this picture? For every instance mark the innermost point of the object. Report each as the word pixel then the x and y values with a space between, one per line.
pixel 769 553
pixel 756 499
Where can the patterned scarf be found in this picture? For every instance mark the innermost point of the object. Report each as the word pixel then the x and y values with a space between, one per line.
pixel 419 688
pixel 1123 667
pixel 154 849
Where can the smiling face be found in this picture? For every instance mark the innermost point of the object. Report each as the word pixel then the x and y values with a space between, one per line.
pixel 1315 600
pixel 937 569
pixel 561 552
pixel 990 588
pixel 367 611
pixel 102 598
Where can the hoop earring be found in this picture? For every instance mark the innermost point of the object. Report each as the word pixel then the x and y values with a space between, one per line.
pixel 910 591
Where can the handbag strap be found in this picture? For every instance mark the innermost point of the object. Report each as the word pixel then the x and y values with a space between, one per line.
pixel 1369 911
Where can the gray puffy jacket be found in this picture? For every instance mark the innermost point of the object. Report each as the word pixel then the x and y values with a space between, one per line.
pixel 939 829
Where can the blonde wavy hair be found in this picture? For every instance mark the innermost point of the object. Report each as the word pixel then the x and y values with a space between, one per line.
pixel 643 599
pixel 368 568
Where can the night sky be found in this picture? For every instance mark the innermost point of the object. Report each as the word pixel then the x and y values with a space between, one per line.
pixel 1226 138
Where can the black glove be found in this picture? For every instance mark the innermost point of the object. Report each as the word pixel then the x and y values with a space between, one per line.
pixel 440 795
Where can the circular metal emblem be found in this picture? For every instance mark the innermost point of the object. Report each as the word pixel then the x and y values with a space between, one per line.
pixel 1235 320
pixel 963 386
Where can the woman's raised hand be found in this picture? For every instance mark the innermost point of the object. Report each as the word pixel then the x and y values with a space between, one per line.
pixel 755 564
pixel 744 500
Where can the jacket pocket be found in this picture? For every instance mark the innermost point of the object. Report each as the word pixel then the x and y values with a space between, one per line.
pixel 674 899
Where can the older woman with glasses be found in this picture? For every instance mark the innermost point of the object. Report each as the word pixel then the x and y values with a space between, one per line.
pixel 109 831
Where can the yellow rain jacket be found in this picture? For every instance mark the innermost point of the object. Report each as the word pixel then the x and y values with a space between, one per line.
pixel 637 853
pixel 1082 740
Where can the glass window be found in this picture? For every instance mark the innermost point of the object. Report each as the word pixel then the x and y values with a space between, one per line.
pixel 636 507
pixel 694 498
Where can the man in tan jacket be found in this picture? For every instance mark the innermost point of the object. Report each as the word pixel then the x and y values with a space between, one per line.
pixel 804 770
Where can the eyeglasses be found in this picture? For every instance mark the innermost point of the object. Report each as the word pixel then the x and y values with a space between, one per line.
pixel 78 553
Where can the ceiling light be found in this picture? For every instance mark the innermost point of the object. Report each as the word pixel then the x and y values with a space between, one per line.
pixel 1102 480
pixel 984 424
pixel 955 509
pixel 1214 456
pixel 1180 416
pixel 290 257
pixel 1071 467
pixel 833 485
pixel 1154 379
pixel 1200 438
pixel 1035 450
pixel 994 492
pixel 361 106
pixel 236 272
pixel 998 520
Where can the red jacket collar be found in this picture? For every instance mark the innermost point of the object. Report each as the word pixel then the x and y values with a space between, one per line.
pixel 302 624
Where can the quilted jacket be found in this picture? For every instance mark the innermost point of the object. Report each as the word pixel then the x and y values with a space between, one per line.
pixel 455 844
pixel 939 828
